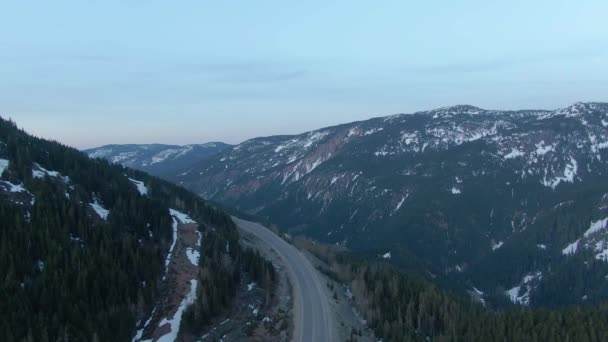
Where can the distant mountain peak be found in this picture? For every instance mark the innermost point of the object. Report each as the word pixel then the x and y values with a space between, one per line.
pixel 460 108
pixel 580 108
pixel 455 110
pixel 157 159
pixel 475 184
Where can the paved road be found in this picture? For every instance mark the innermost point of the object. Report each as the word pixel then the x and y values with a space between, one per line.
pixel 313 320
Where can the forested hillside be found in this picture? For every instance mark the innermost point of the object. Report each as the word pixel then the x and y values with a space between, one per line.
pixel 404 307
pixel 163 161
pixel 83 244
pixel 512 203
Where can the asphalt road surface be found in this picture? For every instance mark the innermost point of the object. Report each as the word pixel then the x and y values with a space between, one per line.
pixel 313 319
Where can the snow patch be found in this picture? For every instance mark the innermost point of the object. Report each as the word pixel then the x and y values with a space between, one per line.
pixel 541 149
pixel 569 172
pixel 3 165
pixel 40 172
pixel 386 255
pixel 455 191
pixel 594 227
pixel 141 187
pixel 163 155
pixel 514 154
pixel 373 130
pixel 497 245
pixel 571 248
pixel 521 294
pixel 181 217
pixel 14 187
pixel 101 211
pixel 250 286
pixel 175 321
pixel 193 255
pixel 314 137
pixel 400 204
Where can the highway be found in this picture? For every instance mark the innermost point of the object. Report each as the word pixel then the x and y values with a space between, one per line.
pixel 313 317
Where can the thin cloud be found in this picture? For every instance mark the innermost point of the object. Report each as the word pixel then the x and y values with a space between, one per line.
pixel 247 72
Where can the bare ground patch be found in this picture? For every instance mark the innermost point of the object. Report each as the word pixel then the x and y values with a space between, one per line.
pixel 177 284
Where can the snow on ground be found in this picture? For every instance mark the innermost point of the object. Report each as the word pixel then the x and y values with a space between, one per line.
pixel 181 217
pixel 101 211
pixel 124 156
pixel 455 191
pixel 399 204
pixel 497 245
pixel 101 153
pixel 602 248
pixel 175 321
pixel 193 256
pixel 373 130
pixel 477 291
pixel 594 227
pixel 161 156
pixel 17 188
pixel 313 137
pixel 174 240
pixel 141 187
pixel 514 295
pixel 569 172
pixel 3 165
pixel 14 187
pixel 478 295
pixel 542 149
pixel 42 172
pixel 250 286
pixel 571 248
pixel 386 255
pixel 348 293
pixel 521 294
pixel 514 154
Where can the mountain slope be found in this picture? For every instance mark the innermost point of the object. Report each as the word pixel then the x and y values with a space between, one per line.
pixel 85 245
pixel 156 159
pixel 486 199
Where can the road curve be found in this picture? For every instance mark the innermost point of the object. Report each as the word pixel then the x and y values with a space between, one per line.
pixel 313 319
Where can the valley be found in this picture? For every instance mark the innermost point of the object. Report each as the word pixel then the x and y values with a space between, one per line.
pixel 304 171
pixel 482 201
pixel 312 317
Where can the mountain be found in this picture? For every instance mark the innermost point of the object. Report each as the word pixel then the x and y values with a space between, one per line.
pixel 92 251
pixel 510 205
pixel 156 159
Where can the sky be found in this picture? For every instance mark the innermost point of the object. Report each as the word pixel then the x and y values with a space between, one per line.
pixel 89 73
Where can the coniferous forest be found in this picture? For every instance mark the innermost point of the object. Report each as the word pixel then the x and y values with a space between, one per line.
pixel 69 274
pixel 401 306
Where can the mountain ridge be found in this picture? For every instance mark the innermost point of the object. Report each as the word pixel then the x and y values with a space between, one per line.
pixel 87 247
pixel 157 159
pixel 405 176
pixel 451 193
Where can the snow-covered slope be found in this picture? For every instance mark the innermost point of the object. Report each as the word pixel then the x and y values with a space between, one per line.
pixel 156 159
pixel 451 191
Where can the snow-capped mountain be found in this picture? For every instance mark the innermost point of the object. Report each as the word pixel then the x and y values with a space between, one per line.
pixel 492 199
pixel 157 159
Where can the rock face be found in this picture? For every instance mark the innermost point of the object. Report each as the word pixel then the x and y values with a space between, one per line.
pixel 477 197
pixel 156 159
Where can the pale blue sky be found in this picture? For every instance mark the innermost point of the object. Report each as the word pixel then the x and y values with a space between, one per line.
pixel 95 72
